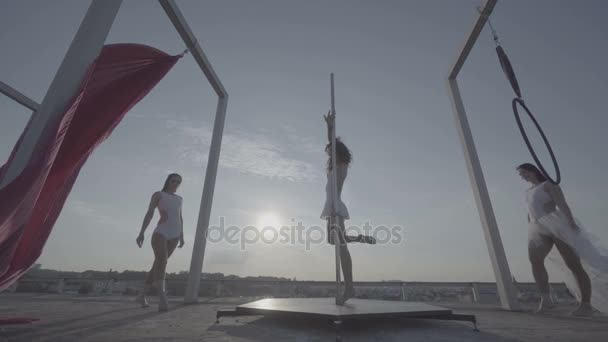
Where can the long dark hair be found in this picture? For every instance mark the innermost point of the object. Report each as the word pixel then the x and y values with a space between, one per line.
pixel 166 186
pixel 343 154
pixel 532 168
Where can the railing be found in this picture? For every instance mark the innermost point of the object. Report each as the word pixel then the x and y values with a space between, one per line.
pixel 471 292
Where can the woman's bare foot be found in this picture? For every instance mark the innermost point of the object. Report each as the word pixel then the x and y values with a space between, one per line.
pixel 584 310
pixel 367 239
pixel 141 300
pixel 163 302
pixel 349 292
pixel 545 305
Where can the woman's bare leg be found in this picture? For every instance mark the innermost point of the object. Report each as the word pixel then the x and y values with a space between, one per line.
pixel 148 284
pixel 141 297
pixel 538 250
pixel 573 262
pixel 171 245
pixel 361 239
pixel 159 246
pixel 347 270
pixel 347 264
pixel 151 276
pixel 157 271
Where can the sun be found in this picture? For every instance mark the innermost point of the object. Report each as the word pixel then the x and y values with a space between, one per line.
pixel 268 219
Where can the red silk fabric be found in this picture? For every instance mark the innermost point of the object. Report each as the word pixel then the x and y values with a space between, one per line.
pixel 30 204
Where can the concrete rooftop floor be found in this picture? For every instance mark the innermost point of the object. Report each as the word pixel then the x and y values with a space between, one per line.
pixel 118 319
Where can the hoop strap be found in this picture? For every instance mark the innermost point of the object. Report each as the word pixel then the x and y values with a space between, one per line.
pixel 507 68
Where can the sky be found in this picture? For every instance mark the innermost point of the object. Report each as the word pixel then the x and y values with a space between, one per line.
pixel 390 60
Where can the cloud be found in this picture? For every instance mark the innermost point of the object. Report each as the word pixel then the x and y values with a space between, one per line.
pixel 304 144
pixel 246 152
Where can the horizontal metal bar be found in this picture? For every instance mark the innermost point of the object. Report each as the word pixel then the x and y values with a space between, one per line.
pixel 182 27
pixel 18 97
pixel 472 37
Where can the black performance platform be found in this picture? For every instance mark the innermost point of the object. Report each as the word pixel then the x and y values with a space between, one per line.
pixel 326 308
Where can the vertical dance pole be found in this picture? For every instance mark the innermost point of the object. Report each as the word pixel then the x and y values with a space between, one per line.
pixel 334 192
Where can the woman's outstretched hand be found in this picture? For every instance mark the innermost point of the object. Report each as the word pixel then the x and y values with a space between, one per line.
pixel 329 118
pixel 140 240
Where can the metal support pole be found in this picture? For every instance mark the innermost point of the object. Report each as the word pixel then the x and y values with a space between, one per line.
pixel 498 257
pixel 200 239
pixel 83 50
pixel 18 97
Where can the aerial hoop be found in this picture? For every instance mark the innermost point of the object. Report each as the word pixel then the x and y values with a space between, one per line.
pixel 507 68
pixel 558 176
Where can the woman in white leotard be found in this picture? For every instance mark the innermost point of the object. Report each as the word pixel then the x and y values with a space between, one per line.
pixel 166 236
pixel 552 223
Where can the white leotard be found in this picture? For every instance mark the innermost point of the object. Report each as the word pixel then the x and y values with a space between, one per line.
pixel 170 224
pixel 537 198
pixel 341 210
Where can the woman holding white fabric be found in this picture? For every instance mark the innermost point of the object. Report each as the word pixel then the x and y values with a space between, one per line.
pixel 552 223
